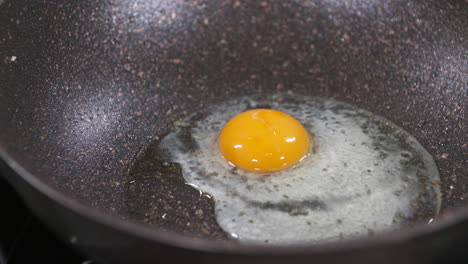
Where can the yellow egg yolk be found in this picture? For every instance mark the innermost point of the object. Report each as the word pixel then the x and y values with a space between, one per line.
pixel 263 140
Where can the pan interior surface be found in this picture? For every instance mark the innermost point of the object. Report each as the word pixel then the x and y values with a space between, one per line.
pixel 87 87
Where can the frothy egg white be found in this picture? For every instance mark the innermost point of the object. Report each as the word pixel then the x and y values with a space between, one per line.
pixel 363 175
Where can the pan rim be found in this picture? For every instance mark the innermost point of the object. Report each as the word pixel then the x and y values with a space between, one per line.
pixel 172 238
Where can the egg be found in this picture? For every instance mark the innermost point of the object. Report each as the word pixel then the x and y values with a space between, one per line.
pixel 264 140
pixel 350 172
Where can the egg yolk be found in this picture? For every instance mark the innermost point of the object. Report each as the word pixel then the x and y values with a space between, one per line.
pixel 263 140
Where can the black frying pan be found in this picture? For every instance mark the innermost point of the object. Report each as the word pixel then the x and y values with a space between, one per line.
pixel 87 86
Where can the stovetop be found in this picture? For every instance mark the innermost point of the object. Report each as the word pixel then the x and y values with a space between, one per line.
pixel 24 239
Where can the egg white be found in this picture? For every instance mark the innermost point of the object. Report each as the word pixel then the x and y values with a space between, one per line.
pixel 360 179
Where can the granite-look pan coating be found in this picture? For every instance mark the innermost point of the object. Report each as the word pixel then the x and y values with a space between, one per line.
pixel 86 86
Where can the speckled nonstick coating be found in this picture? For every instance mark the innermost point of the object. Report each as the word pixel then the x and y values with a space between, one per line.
pixel 87 86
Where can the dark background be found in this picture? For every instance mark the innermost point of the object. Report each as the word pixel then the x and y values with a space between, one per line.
pixel 23 239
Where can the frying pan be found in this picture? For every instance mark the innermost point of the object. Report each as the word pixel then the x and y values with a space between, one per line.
pixel 88 86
